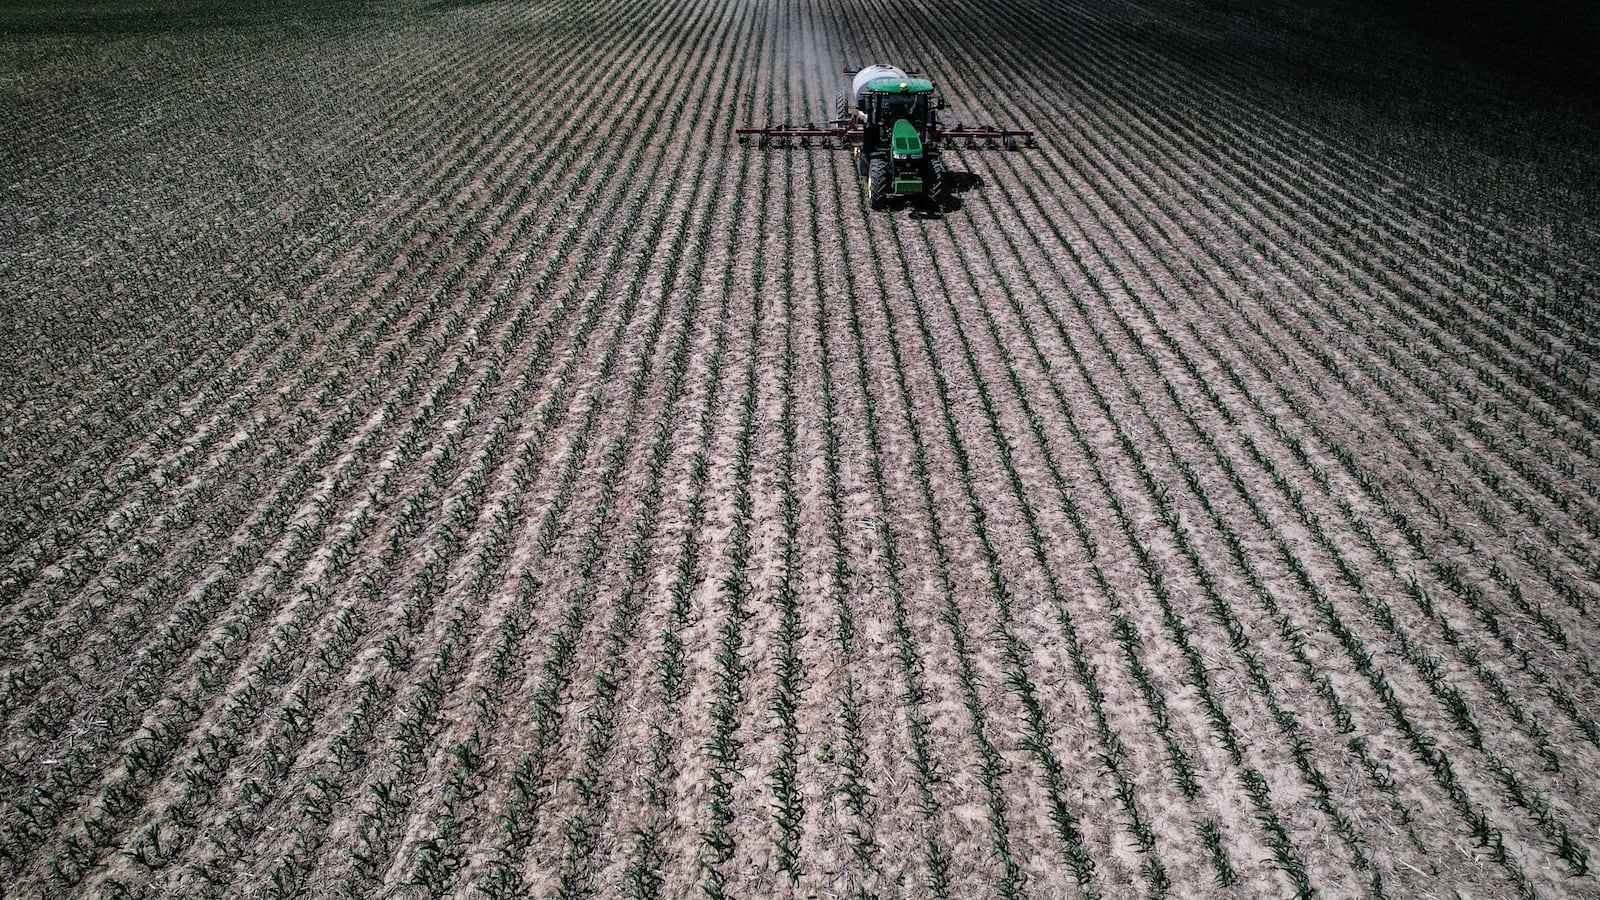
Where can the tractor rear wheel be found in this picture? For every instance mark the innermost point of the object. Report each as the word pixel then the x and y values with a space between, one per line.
pixel 840 107
pixel 878 184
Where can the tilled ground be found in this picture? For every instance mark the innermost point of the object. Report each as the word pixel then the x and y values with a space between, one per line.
pixel 438 459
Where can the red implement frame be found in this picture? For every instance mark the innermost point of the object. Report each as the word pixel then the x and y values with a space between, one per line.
pixel 800 135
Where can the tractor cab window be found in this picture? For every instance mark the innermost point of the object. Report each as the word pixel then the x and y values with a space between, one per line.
pixel 905 106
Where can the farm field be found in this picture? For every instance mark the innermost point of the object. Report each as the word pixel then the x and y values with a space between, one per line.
pixel 436 459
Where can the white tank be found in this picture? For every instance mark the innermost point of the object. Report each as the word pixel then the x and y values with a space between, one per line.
pixel 870 72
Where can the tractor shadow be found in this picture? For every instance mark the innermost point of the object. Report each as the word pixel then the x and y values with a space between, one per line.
pixel 956 184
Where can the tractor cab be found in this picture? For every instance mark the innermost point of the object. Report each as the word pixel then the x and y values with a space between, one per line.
pixel 904 105
pixel 886 103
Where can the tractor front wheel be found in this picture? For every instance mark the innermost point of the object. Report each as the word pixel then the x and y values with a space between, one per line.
pixel 878 184
pixel 936 185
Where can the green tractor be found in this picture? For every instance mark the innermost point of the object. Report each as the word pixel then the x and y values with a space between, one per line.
pixel 898 152
pixel 890 120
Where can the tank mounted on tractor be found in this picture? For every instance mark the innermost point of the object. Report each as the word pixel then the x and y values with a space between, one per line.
pixel 890 121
